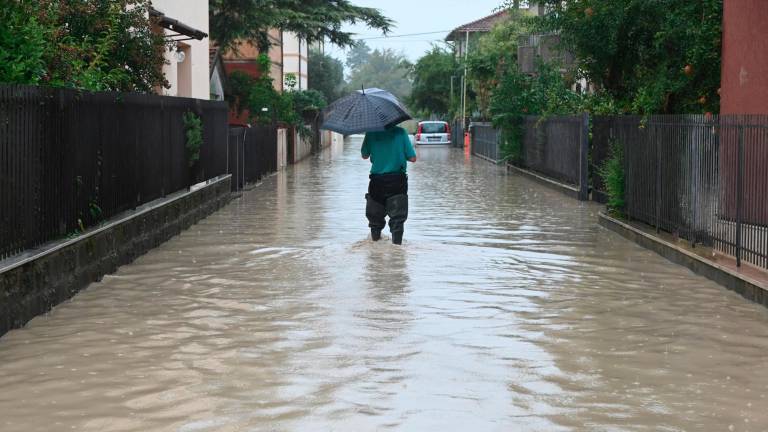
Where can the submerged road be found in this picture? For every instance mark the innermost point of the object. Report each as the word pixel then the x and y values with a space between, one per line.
pixel 507 308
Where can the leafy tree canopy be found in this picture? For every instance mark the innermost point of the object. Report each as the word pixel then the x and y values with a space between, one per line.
pixel 312 20
pixel 245 92
pixel 494 57
pixel 432 73
pixel 326 75
pixel 86 44
pixel 359 53
pixel 385 69
pixel 658 56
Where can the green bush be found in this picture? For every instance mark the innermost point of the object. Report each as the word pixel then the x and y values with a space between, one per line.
pixel 193 125
pixel 612 173
pixel 85 44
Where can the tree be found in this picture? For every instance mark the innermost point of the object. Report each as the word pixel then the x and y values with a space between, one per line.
pixel 359 54
pixel 494 57
pixel 326 75
pixel 385 69
pixel 432 73
pixel 311 20
pixel 652 57
pixel 86 44
pixel 253 94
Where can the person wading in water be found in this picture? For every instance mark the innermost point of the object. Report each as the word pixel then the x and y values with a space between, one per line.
pixel 389 151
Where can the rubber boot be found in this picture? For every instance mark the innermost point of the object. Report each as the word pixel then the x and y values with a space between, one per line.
pixel 397 238
pixel 397 209
pixel 375 212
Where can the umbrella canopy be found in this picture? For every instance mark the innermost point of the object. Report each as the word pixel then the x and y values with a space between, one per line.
pixel 366 110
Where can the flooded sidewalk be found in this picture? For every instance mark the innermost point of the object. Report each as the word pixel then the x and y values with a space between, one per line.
pixel 507 308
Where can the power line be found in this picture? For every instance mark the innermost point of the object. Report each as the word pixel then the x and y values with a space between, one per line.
pixel 404 35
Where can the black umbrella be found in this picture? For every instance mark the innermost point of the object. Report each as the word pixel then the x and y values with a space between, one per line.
pixel 366 110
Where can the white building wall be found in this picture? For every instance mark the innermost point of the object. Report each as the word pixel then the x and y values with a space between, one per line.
pixel 295 56
pixel 193 13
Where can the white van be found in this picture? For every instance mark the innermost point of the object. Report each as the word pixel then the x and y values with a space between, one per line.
pixel 433 132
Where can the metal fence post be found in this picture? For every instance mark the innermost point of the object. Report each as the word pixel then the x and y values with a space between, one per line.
pixel 584 159
pixel 658 183
pixel 739 194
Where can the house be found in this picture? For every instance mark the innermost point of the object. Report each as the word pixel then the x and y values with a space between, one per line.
pixel 744 78
pixel 245 57
pixel 295 58
pixel 185 24
pixel 466 35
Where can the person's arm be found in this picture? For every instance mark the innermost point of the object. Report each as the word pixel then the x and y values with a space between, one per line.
pixel 364 150
pixel 410 153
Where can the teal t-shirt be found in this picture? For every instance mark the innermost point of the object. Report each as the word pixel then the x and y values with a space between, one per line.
pixel 389 150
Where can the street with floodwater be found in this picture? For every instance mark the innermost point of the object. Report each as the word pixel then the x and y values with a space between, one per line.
pixel 506 308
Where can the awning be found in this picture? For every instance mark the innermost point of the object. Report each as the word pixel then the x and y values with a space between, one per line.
pixel 177 26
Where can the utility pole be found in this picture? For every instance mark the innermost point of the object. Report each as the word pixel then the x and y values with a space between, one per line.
pixel 464 96
pixel 450 104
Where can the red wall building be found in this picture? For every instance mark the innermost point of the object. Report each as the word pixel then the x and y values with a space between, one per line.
pixel 744 82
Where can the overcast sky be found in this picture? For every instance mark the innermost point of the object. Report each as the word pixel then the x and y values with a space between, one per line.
pixel 418 16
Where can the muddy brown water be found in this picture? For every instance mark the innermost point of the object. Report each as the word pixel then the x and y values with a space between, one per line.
pixel 508 308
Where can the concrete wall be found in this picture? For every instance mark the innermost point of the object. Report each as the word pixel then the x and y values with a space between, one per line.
pixel 302 147
pixel 194 70
pixel 744 83
pixel 35 284
pixel 282 149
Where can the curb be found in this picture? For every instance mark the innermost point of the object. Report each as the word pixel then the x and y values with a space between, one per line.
pixel 749 288
pixel 569 190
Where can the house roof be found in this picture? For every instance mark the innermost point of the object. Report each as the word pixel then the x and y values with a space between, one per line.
pixel 484 24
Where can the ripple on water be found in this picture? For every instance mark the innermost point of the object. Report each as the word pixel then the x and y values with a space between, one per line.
pixel 507 308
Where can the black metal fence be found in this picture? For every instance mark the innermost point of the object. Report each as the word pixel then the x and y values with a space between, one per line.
pixel 70 159
pixel 252 154
pixel 457 134
pixel 484 141
pixel 701 178
pixel 555 146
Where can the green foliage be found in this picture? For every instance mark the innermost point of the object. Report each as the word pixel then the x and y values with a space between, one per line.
pixel 193 127
pixel 290 81
pixel 385 69
pixel 307 100
pixel 637 50
pixel 312 20
pixel 494 56
pixel 326 75
pixel 517 95
pixel 359 54
pixel 22 47
pixel 431 92
pixel 86 44
pixel 612 173
pixel 264 103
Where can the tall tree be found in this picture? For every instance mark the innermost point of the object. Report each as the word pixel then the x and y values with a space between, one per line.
pixel 659 56
pixel 432 73
pixel 312 20
pixel 494 57
pixel 326 75
pixel 359 53
pixel 385 69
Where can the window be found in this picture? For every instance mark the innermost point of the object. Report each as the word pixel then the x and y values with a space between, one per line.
pixel 428 128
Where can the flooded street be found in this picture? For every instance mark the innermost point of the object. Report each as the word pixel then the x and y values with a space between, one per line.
pixel 507 308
